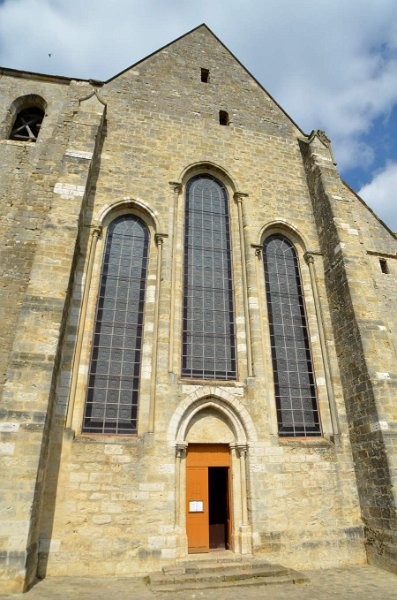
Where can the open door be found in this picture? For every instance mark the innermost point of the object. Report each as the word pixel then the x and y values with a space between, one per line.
pixel 218 502
pixel 197 509
pixel 229 509
pixel 208 497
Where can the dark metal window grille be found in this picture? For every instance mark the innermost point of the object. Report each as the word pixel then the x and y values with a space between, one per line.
pixel 27 124
pixel 208 315
pixel 113 384
pixel 295 391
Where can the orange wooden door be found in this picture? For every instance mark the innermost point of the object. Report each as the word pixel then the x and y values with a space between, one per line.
pixel 197 527
pixel 199 458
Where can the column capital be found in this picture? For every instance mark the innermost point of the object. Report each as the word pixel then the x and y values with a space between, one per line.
pixel 241 449
pixel 159 238
pixel 96 230
pixel 238 196
pixel 176 186
pixel 258 250
pixel 309 256
pixel 180 449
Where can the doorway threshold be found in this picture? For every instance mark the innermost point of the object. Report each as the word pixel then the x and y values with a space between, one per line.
pixel 215 555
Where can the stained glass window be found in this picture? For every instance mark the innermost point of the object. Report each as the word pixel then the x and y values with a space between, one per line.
pixel 208 314
pixel 297 411
pixel 113 383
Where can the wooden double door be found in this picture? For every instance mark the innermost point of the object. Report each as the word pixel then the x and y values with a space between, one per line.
pixel 208 497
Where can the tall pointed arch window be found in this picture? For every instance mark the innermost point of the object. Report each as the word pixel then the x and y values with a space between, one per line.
pixel 113 384
pixel 208 314
pixel 297 411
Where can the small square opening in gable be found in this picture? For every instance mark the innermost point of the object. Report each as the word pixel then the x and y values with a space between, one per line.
pixel 223 117
pixel 205 75
pixel 384 267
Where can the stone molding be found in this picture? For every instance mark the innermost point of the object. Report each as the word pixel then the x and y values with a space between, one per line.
pixel 222 402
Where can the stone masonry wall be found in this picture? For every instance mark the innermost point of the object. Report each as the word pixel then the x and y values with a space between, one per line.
pixel 53 192
pixel 80 504
pixel 116 499
pixel 28 174
pixel 364 334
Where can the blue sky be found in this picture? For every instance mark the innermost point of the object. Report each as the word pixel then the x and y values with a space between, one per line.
pixel 331 64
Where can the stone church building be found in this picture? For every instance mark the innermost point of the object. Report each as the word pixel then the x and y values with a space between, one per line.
pixel 198 332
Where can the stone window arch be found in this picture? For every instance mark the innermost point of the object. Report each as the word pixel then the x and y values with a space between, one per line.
pixel 208 340
pixel 25 118
pixel 294 380
pixel 114 374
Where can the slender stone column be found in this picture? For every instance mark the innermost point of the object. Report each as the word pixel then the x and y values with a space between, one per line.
pixel 180 459
pixel 238 197
pixel 95 233
pixel 266 351
pixel 177 187
pixel 242 453
pixel 159 239
pixel 245 533
pixel 309 258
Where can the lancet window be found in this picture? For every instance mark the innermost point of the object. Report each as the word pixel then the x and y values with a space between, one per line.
pixel 208 310
pixel 113 383
pixel 295 391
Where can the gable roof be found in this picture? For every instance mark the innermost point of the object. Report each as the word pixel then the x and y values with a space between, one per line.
pixel 205 27
pixel 99 83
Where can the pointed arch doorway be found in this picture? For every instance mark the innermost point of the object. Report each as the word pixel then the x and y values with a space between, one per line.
pixel 208 497
pixel 212 431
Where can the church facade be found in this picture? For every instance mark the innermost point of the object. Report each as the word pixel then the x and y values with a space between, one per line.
pixel 199 328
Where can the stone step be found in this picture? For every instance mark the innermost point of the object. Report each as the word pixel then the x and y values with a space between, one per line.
pixel 206 574
pixel 208 567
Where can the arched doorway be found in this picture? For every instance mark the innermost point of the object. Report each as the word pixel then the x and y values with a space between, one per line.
pixel 212 439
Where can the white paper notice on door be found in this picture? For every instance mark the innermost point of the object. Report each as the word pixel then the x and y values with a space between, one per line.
pixel 196 506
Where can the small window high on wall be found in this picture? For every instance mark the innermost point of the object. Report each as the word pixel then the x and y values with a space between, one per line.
pixel 27 124
pixel 223 117
pixel 295 392
pixel 208 349
pixel 205 75
pixel 113 383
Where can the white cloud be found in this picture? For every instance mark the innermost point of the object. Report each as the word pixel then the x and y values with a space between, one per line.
pixel 331 64
pixel 381 194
